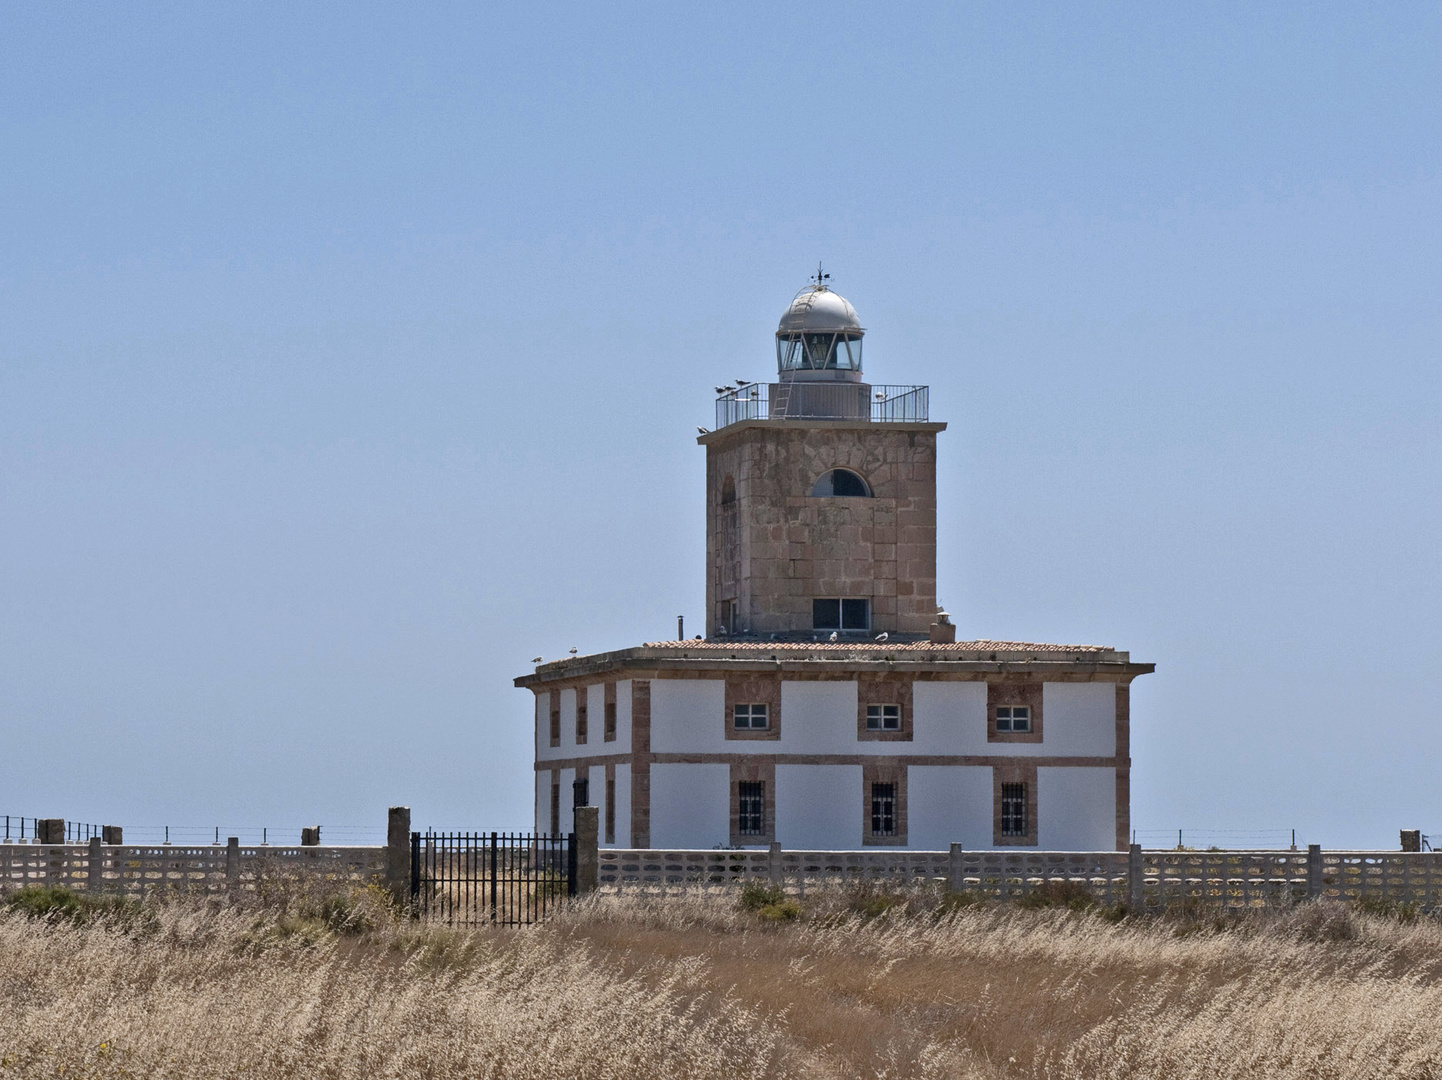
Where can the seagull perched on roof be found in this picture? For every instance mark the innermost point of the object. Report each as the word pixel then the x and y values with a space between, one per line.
pixel 536 659
pixel 723 389
pixel 833 636
pixel 702 431
pixel 882 636
pixel 573 650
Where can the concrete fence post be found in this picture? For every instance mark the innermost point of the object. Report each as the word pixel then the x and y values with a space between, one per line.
pixel 773 860
pixel 1314 871
pixel 94 878
pixel 398 853
pixel 232 859
pixel 588 854
pixel 954 870
pixel 1136 895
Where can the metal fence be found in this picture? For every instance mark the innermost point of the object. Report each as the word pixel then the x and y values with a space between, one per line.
pixel 824 401
pixel 502 879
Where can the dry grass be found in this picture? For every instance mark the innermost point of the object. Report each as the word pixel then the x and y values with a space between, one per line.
pixel 698 986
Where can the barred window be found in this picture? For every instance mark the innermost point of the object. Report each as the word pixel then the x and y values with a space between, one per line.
pixel 1013 718
pixel 581 717
pixel 750 717
pixel 555 722
pixel 609 734
pixel 883 809
pixel 883 718
pixel 555 806
pixel 751 808
pixel 1013 810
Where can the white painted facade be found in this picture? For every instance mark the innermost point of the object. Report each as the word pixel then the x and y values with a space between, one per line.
pixel 819 804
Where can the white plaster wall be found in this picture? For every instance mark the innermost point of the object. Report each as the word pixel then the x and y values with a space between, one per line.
pixel 623 806
pixel 1079 719
pixel 567 817
pixel 947 718
pixel 687 716
pixel 818 807
pixel 622 745
pixel 948 804
pixel 595 746
pixel 820 718
pixel 543 800
pixel 690 805
pixel 1075 809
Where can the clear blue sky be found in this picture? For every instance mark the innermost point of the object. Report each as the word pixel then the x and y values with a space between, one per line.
pixel 351 356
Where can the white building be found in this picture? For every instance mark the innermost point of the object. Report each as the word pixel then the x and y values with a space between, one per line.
pixel 829 706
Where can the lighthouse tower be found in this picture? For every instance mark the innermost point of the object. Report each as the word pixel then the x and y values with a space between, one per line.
pixel 820 492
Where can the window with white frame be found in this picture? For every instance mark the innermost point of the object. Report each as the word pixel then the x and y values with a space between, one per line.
pixel 751 808
pixel 1013 718
pixel 883 718
pixel 750 718
pixel 841 614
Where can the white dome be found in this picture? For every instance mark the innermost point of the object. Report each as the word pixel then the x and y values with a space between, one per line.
pixel 817 308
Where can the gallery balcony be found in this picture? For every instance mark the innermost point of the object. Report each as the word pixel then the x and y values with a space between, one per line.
pixel 822 401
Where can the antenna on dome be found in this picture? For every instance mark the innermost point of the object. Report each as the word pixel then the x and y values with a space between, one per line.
pixel 819 278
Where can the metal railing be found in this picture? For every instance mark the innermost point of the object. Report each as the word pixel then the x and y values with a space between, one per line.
pixel 505 879
pixel 823 401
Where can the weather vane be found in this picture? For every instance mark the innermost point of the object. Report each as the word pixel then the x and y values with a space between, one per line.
pixel 819 278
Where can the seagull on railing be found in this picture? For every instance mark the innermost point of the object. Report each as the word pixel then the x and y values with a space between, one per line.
pixel 723 389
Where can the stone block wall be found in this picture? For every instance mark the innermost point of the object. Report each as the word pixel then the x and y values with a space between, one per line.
pixel 773 548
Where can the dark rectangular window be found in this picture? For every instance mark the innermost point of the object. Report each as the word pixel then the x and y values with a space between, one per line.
pixel 555 721
pixel 555 807
pixel 883 809
pixel 581 791
pixel 609 735
pixel 582 723
pixel 751 808
pixel 1013 809
pixel 883 718
pixel 750 717
pixel 610 809
pixel 845 614
pixel 1013 718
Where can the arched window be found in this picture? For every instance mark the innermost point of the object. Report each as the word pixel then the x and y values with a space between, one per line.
pixel 728 490
pixel 842 482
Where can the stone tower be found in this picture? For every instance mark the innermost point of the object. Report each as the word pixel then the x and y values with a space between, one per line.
pixel 820 492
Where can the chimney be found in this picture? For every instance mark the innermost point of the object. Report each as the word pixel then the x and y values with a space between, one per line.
pixel 943 631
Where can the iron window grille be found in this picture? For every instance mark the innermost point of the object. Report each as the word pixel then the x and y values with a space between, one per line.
pixel 609 734
pixel 555 727
pixel 883 809
pixel 1013 718
pixel 610 809
pixel 842 614
pixel 1013 809
pixel 751 808
pixel 750 718
pixel 582 721
pixel 883 718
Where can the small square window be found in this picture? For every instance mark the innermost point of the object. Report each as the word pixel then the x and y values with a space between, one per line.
pixel 750 718
pixel 1013 718
pixel 883 809
pixel 751 808
pixel 826 614
pixel 883 718
pixel 856 614
pixel 1013 809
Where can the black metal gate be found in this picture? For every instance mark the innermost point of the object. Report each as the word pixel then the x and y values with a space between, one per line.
pixel 505 879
